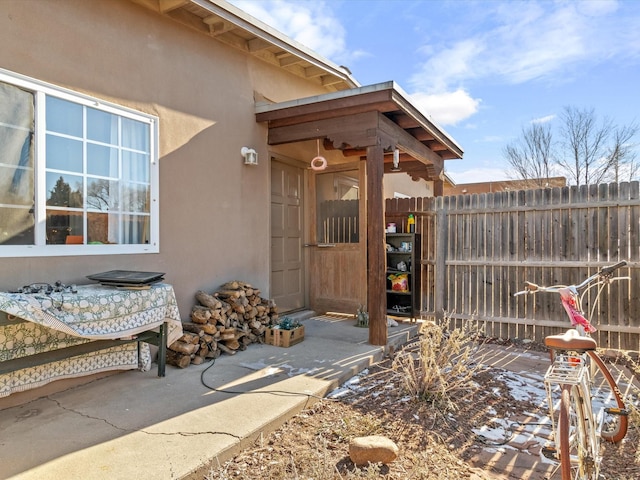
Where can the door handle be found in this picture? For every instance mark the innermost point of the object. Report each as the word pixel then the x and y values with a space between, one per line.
pixel 321 245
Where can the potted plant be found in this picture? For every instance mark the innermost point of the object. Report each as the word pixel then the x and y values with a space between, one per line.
pixel 286 333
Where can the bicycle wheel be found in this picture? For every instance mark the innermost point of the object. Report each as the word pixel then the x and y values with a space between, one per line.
pixel 607 402
pixel 579 459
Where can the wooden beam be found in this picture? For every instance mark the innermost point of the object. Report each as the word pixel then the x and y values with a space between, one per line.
pixel 357 130
pixel 438 188
pixel 288 60
pixel 411 145
pixel 314 72
pixel 421 134
pixel 376 278
pixel 167 5
pixel 329 80
pixel 257 44
pixel 217 26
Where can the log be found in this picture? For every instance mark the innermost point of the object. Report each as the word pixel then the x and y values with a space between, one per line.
pixel 207 300
pixel 206 329
pixel 189 338
pixel 226 349
pixel 182 347
pixel 229 294
pixel 233 285
pixel 179 360
pixel 197 360
pixel 214 354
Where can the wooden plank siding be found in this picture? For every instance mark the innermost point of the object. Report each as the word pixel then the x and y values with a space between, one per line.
pixel 479 249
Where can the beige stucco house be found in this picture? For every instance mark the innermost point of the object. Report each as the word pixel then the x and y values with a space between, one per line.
pixel 223 127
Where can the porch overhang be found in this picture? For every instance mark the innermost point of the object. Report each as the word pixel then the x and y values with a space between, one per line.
pixel 370 122
pixel 353 120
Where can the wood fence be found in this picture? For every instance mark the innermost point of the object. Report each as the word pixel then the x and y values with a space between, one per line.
pixel 477 250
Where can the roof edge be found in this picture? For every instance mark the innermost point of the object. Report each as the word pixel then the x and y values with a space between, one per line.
pixel 401 99
pixel 242 19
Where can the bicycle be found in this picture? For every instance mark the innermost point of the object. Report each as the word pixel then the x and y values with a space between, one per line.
pixel 578 372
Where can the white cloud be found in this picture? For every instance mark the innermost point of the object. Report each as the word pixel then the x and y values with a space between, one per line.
pixel 310 23
pixel 522 42
pixel 545 119
pixel 447 108
pixel 520 45
pixel 490 42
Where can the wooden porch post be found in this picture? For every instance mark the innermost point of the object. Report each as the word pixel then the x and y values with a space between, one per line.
pixel 438 188
pixel 377 286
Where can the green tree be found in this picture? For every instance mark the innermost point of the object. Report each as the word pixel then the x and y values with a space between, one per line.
pixel 63 196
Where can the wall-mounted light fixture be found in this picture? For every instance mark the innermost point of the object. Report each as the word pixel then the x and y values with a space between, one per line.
pixel 250 156
pixel 396 161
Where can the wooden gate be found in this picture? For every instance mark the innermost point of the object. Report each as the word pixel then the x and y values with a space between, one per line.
pixel 479 249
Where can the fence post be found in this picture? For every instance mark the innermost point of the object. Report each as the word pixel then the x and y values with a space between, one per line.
pixel 440 276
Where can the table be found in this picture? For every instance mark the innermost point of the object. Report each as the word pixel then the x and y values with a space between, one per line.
pixel 46 337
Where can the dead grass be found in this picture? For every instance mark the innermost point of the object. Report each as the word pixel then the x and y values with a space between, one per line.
pixel 436 442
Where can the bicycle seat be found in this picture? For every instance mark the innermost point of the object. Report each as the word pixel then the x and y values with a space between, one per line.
pixel 571 340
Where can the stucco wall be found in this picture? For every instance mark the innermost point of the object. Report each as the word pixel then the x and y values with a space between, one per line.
pixel 214 210
pixel 403 184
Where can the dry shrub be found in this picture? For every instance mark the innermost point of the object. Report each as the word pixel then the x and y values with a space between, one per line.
pixel 441 365
pixel 632 396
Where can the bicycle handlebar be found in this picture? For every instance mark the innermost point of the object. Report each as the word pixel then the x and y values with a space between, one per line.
pixel 605 272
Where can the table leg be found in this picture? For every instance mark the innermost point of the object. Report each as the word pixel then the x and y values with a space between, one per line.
pixel 162 348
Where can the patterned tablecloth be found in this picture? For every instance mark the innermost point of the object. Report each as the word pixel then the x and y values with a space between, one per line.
pixel 63 319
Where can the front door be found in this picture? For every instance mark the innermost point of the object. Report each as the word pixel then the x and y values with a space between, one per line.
pixel 337 252
pixel 287 265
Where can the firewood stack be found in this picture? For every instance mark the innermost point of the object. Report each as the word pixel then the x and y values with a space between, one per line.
pixel 226 321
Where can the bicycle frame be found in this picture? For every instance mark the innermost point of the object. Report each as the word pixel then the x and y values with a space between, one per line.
pixel 574 363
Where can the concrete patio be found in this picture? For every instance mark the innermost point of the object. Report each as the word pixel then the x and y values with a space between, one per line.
pixel 136 425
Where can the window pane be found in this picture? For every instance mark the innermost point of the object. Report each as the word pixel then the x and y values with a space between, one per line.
pixel 64 190
pixel 16 106
pixel 102 160
pixel 96 165
pixel 16 226
pixel 337 205
pixel 135 166
pixel 16 186
pixel 64 154
pixel 63 227
pixel 102 194
pixel 16 166
pixel 64 117
pixel 102 126
pixel 135 135
pixel 102 228
pixel 135 229
pixel 135 198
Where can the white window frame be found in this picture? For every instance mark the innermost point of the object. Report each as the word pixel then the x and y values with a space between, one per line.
pixel 41 249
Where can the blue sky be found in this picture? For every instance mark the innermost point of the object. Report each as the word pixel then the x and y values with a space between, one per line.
pixel 482 69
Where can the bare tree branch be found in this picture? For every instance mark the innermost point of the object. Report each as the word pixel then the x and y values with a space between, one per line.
pixel 585 145
pixel 531 156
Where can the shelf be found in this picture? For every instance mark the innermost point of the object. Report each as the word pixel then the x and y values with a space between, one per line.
pixel 407 302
